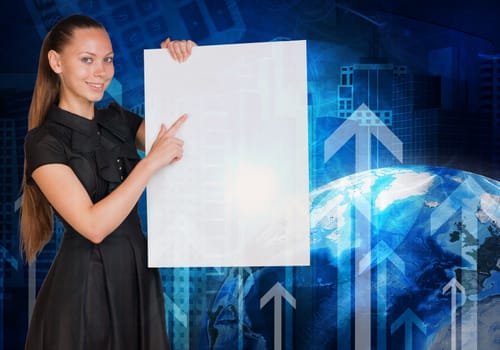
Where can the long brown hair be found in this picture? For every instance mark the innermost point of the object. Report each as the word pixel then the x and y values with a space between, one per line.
pixel 37 221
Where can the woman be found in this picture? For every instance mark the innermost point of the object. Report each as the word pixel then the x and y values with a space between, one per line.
pixel 81 162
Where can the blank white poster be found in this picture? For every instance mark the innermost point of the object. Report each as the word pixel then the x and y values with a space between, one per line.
pixel 240 194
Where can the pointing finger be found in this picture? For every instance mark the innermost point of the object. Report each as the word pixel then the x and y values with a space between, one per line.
pixel 176 125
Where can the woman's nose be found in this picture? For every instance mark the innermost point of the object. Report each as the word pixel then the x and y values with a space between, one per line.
pixel 99 69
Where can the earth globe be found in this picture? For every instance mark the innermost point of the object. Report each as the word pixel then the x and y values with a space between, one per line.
pixel 427 237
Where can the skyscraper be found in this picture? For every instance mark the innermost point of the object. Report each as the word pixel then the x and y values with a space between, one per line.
pixel 416 103
pixel 371 84
pixel 489 70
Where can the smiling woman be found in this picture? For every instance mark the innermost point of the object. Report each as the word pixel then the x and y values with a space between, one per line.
pixel 85 67
pixel 81 162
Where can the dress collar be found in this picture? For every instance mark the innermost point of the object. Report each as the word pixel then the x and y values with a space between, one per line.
pixel 116 155
pixel 85 132
pixel 73 121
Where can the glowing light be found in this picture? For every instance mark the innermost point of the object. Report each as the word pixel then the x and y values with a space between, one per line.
pixel 252 186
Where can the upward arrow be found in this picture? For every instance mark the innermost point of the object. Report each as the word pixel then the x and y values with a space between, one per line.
pixel 379 255
pixel 453 284
pixel 363 123
pixel 276 293
pixel 456 200
pixel 408 318
pixel 465 199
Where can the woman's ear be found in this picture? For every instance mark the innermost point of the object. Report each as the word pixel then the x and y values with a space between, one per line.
pixel 54 61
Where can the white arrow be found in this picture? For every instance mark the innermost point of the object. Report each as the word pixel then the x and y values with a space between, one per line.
pixel 465 197
pixel 362 279
pixel 454 285
pixel 363 123
pixel 408 318
pixel 379 256
pixel 276 292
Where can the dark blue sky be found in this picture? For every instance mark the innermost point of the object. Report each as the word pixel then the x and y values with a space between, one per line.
pixel 477 18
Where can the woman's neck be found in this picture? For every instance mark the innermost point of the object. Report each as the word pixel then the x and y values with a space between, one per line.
pixel 84 109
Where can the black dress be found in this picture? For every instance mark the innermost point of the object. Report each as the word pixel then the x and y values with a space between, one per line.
pixel 95 296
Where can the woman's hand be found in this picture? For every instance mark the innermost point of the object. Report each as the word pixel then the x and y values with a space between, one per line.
pixel 180 50
pixel 167 148
pixel 96 221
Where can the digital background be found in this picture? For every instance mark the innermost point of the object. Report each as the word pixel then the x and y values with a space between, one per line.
pixel 404 164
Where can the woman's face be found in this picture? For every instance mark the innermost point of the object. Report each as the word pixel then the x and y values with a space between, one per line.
pixel 85 67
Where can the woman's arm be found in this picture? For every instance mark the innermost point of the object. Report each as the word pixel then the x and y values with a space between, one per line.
pixel 140 137
pixel 95 221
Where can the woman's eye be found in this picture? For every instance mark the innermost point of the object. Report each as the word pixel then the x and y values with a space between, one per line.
pixel 108 59
pixel 87 60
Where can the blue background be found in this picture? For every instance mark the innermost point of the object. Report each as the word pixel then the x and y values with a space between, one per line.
pixel 429 69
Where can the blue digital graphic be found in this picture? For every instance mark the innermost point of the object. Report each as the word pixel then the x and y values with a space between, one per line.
pixel 413 259
pixel 404 120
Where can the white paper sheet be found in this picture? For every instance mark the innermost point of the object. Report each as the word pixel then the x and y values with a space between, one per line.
pixel 240 195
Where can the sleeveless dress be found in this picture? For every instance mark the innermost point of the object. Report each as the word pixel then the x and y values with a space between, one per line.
pixel 95 296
